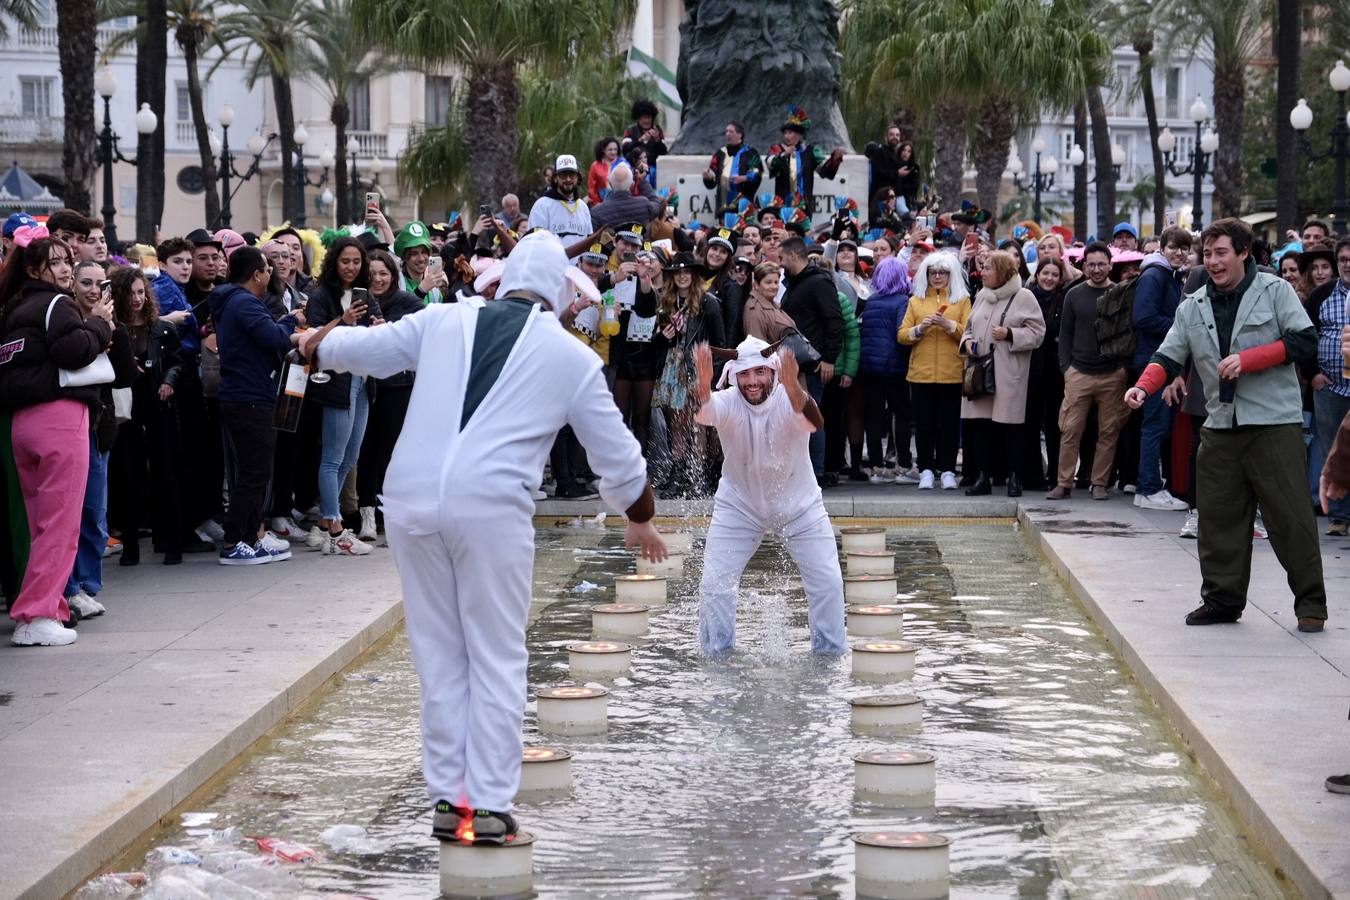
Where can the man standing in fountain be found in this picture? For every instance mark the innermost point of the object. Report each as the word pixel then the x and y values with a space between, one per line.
pixel 495 384
pixel 768 487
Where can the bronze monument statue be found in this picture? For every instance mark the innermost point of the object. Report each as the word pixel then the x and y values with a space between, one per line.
pixel 750 62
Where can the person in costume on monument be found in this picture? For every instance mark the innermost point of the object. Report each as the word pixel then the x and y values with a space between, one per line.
pixel 735 170
pixel 768 486
pixel 646 135
pixel 496 382
pixel 794 164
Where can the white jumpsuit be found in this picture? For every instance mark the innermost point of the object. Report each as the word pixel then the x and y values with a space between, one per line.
pixel 767 486
pixel 458 510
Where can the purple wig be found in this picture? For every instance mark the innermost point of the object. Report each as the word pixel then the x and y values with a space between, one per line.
pixel 891 277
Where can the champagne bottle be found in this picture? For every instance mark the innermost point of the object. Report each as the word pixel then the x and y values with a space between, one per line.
pixel 290 393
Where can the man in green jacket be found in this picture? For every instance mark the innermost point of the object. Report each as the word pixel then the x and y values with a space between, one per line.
pixel 1241 332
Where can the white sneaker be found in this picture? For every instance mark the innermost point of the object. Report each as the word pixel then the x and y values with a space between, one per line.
pixel 345 544
pixel 1161 500
pixel 85 605
pixel 1259 529
pixel 1128 489
pixel 540 495
pixel 1191 528
pixel 907 476
pixel 949 481
pixel 275 546
pixel 316 538
pixel 926 480
pixel 42 632
pixel 211 531
pixel 880 476
pixel 285 528
pixel 368 531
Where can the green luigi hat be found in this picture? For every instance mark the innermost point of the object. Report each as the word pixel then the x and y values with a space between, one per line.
pixel 414 234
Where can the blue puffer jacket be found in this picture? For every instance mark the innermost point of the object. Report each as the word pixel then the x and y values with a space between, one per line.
pixel 882 354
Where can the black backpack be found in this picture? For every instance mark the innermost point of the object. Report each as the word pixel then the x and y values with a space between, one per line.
pixel 1115 322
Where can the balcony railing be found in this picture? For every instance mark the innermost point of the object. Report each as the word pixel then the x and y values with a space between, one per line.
pixel 30 129
pixel 44 36
pixel 372 143
pixel 184 133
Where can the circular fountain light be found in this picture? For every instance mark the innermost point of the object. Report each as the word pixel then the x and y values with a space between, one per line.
pixel 641 590
pixel 883 660
pixel 573 709
pixel 677 540
pixel 874 621
pixel 869 562
pixel 886 714
pixel 870 588
pixel 859 538
pixel 620 620
pixel 545 770
pixel 670 567
pixel 895 777
pixel 477 870
pixel 910 865
pixel 599 659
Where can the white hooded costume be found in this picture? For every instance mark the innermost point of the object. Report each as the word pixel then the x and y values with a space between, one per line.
pixel 767 486
pixel 458 499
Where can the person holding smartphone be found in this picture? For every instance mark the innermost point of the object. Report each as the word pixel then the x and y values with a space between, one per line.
pixel 343 292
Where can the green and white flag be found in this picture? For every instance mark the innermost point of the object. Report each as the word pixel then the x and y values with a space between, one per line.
pixel 644 65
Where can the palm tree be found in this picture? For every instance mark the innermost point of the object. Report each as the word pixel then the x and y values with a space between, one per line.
pixel 1101 152
pixel 339 59
pixel 193 24
pixel 1229 35
pixel 1143 45
pixel 24 12
pixel 556 115
pixel 77 47
pixel 490 40
pixel 152 61
pixel 273 38
pixel 962 53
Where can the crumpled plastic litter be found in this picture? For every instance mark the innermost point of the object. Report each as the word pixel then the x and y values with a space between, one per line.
pixel 197 819
pixel 350 839
pixel 162 857
pixel 195 883
pixel 223 862
pixel 585 588
pixel 111 886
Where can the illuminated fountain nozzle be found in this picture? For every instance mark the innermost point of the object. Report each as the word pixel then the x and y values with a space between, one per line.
pixel 544 770
pixel 573 709
pixel 861 538
pixel 599 659
pixel 895 777
pixel 870 588
pixel 485 870
pixel 677 540
pixel 869 562
pixel 899 865
pixel 643 589
pixel 886 714
pixel 670 567
pixel 630 620
pixel 874 621
pixel 883 660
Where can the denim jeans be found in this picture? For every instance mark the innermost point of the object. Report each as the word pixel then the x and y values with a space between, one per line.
pixel 816 388
pixel 1329 409
pixel 343 430
pixel 87 574
pixel 1153 429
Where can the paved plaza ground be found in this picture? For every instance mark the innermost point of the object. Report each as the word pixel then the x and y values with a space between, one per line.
pixel 105 738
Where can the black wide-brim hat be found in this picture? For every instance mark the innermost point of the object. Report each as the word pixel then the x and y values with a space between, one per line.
pixel 1312 252
pixel 683 260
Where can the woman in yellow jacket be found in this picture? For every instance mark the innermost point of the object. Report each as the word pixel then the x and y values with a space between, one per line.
pixel 933 324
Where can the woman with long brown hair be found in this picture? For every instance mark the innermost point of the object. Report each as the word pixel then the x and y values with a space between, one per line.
pixel 688 316
pixel 43 332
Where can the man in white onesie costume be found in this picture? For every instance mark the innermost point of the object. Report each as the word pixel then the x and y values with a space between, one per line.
pixel 768 486
pixel 495 384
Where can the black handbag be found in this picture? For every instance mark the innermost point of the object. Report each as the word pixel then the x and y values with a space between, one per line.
pixel 808 357
pixel 978 379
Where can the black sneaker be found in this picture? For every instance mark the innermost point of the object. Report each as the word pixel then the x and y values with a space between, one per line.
pixel 1339 784
pixel 493 827
pixel 1209 614
pixel 446 819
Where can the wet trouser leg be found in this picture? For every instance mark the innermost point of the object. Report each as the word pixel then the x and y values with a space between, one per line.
pixel 810 540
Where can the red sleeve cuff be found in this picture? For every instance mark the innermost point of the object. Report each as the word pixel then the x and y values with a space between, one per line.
pixel 1153 378
pixel 1258 359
